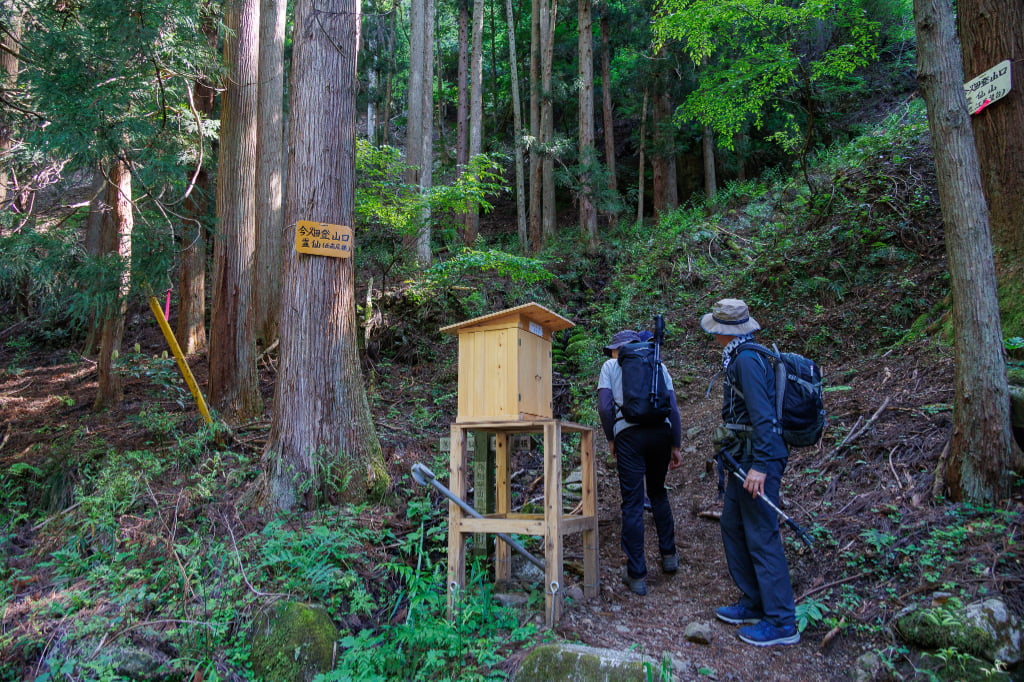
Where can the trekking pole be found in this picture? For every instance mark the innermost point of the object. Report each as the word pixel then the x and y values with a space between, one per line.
pixel 732 465
pixel 659 336
pixel 425 476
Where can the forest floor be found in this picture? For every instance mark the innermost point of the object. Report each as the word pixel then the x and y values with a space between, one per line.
pixel 894 411
pixel 872 475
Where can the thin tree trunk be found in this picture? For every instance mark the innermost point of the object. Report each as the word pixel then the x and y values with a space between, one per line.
pixel 190 329
pixel 92 243
pixel 420 120
pixel 389 76
pixel 10 46
pixel 588 155
pixel 982 443
pixel 270 169
pixel 707 143
pixel 665 187
pixel 640 175
pixel 424 254
pixel 234 389
pixel 536 9
pixel 517 125
pixel 462 106
pixel 322 441
pixel 607 112
pixel 549 16
pixel 117 239
pixel 476 108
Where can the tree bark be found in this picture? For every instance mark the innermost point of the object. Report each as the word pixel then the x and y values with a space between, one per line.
pixel 9 49
pixel 588 155
pixel 462 106
pixel 607 112
pixel 549 217
pixel 116 240
pixel 234 389
pixel 322 441
pixel 991 31
pixel 476 109
pixel 982 446
pixel 270 169
pixel 190 328
pixel 642 161
pixel 517 125
pixel 665 194
pixel 535 133
pixel 707 143
pixel 419 130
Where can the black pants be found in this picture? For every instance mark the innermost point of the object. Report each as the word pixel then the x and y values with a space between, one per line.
pixel 643 454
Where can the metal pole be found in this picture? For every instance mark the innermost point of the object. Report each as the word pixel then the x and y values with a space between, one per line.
pixel 740 474
pixel 424 476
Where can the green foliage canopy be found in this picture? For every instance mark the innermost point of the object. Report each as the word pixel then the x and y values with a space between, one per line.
pixel 756 56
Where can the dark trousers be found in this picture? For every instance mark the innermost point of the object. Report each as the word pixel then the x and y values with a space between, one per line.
pixel 753 548
pixel 642 454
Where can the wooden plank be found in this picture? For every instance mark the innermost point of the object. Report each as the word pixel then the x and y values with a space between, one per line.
pixel 456 543
pixel 468 524
pixel 502 505
pixel 591 567
pixel 554 584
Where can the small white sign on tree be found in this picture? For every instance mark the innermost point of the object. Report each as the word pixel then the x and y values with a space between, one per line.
pixel 988 87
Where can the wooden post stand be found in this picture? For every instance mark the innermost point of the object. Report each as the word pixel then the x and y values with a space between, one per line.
pixel 551 525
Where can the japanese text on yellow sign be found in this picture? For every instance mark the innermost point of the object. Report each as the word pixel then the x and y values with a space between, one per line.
pixel 323 239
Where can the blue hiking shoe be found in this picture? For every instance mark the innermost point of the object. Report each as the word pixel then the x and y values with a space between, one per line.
pixel 766 634
pixel 738 614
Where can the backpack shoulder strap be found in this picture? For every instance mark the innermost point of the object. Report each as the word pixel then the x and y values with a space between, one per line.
pixel 775 357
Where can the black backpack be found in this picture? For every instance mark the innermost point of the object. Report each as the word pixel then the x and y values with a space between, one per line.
pixel 799 397
pixel 645 395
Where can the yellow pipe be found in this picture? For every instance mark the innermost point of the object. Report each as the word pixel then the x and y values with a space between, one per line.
pixel 154 305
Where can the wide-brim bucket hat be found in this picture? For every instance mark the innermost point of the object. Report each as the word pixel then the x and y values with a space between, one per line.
pixel 729 317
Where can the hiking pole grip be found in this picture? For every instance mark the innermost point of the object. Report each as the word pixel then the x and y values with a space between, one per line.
pixel 741 475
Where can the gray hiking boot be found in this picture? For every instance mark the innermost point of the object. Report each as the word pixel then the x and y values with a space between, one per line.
pixel 669 563
pixel 635 585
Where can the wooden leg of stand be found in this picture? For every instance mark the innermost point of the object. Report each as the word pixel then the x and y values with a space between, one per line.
pixel 591 579
pixel 456 541
pixel 554 585
pixel 502 505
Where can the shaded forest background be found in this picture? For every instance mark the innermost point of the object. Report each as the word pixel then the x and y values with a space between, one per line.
pixel 138 540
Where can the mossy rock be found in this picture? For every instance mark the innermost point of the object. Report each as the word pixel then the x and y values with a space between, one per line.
pixel 938 629
pixel 573 662
pixel 292 642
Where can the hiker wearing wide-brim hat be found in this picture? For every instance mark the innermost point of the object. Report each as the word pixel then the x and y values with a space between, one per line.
pixel 643 454
pixel 753 437
pixel 729 317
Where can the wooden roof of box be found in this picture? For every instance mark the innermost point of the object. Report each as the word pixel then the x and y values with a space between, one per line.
pixel 534 312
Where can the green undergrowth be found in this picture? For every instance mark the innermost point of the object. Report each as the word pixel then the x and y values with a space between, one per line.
pixel 900 557
pixel 152 568
pixel 863 240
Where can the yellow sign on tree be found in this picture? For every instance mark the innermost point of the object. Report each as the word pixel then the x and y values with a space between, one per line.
pixel 323 239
